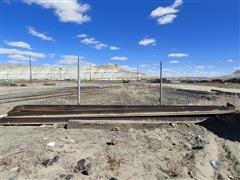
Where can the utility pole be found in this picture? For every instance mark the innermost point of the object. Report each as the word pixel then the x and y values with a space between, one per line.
pixel 30 68
pixel 90 72
pixel 161 91
pixel 78 100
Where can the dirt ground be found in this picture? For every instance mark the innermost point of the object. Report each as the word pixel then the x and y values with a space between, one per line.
pixel 202 151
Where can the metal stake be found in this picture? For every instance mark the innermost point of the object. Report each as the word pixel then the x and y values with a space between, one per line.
pixel 161 91
pixel 78 100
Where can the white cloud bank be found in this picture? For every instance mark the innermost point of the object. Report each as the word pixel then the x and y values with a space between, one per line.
pixel 21 55
pixel 20 44
pixel 178 55
pixel 95 44
pixel 174 62
pixel 166 15
pixel 42 36
pixel 114 48
pixel 88 41
pixel 147 41
pixel 72 60
pixel 82 35
pixel 119 58
pixel 66 10
pixel 69 59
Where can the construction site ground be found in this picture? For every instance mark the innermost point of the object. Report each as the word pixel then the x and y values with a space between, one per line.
pixel 206 150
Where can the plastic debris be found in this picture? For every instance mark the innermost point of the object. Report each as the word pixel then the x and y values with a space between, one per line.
pixel 230 176
pixel 71 140
pixel 113 141
pixel 14 169
pixel 51 144
pixel 213 163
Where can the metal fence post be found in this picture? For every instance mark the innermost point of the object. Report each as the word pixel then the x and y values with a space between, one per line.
pixel 30 68
pixel 78 100
pixel 60 73
pixel 161 91
pixel 137 73
pixel 90 72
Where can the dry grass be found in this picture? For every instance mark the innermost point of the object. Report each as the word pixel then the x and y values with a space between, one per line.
pixel 174 167
pixel 114 162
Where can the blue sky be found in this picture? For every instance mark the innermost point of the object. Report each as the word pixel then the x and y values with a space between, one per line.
pixel 192 37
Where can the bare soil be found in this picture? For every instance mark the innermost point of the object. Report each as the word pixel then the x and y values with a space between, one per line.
pixel 171 151
pixel 222 85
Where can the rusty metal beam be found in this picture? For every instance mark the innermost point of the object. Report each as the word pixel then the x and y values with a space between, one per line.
pixel 49 114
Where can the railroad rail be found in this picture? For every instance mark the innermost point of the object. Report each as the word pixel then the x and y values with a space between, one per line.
pixel 50 114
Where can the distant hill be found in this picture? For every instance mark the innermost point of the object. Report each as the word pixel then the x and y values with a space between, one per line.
pixel 107 71
pixel 237 72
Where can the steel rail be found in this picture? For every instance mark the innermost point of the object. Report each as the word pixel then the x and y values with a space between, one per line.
pixel 49 114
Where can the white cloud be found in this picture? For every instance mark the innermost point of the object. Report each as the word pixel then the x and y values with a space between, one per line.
pixel 200 67
pixel 147 41
pixel 210 67
pixel 166 19
pixel 101 46
pixel 97 44
pixel 166 15
pixel 119 58
pixel 89 41
pixel 177 3
pixel 174 62
pixel 18 57
pixel 114 48
pixel 236 68
pixel 230 60
pixel 17 62
pixel 15 52
pixel 82 35
pixel 73 60
pixel 69 59
pixel 178 55
pixel 33 32
pixel 20 44
pixel 66 10
pixel 161 11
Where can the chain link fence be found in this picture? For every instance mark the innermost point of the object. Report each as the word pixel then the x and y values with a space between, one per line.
pixel 70 72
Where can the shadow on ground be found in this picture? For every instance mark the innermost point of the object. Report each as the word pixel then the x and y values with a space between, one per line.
pixel 227 127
